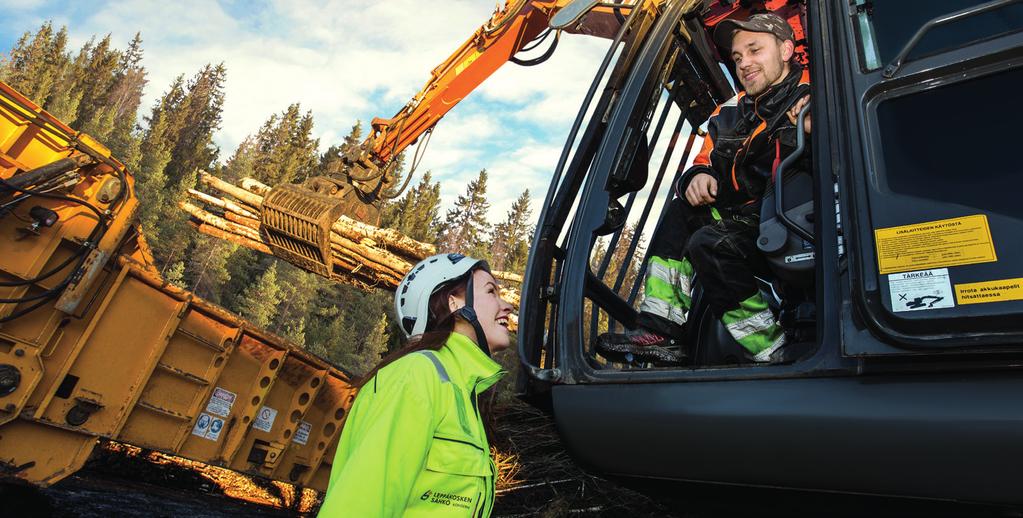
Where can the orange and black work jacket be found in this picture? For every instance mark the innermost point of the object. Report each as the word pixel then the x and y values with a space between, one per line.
pixel 746 139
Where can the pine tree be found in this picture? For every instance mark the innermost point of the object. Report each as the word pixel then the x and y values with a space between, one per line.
pixel 330 161
pixel 64 102
pixel 510 245
pixel 123 101
pixel 466 227
pixel 415 214
pixel 94 115
pixel 258 303
pixel 350 327
pixel 243 266
pixel 242 162
pixel 298 290
pixel 353 140
pixel 206 267
pixel 374 346
pixel 35 62
pixel 620 257
pixel 285 149
pixel 329 336
pixel 193 119
pixel 175 274
pixel 151 177
pixel 174 237
pixel 57 66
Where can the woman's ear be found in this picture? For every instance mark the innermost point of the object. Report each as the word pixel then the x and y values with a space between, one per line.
pixel 455 302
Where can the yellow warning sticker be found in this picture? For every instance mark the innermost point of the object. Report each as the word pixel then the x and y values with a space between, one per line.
pixel 990 291
pixel 935 244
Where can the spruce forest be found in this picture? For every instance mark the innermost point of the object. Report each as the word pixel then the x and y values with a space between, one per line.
pixel 98 89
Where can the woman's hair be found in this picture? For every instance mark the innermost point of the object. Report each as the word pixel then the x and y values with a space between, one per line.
pixel 439 325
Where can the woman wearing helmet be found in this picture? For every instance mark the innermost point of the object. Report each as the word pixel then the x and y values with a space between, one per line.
pixel 414 442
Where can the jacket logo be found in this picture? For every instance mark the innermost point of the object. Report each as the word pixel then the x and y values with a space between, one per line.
pixel 447 499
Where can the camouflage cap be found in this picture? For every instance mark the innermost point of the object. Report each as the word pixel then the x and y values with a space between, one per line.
pixel 768 22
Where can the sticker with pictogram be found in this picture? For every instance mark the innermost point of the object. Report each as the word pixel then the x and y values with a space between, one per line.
pixel 922 290
pixel 202 425
pixel 216 426
pixel 265 419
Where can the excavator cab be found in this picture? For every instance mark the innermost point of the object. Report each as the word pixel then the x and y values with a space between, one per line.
pixel 623 173
pixel 894 266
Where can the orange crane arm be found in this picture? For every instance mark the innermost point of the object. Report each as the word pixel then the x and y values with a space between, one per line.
pixel 510 29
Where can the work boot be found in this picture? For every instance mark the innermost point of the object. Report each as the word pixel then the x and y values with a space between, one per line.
pixel 639 345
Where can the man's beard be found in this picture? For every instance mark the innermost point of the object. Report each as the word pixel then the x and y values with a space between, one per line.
pixel 762 83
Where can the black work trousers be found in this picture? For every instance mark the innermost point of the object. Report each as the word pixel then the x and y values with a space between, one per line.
pixel 723 251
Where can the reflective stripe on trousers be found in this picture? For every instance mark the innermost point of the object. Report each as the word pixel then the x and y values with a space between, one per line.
pixel 668 289
pixel 753 325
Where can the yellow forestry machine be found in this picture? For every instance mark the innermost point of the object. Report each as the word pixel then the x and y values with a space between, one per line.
pixel 94 344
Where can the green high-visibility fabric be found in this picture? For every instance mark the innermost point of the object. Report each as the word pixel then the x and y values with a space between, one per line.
pixel 753 325
pixel 404 450
pixel 667 289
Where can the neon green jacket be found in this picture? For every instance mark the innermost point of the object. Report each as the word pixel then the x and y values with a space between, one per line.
pixel 413 444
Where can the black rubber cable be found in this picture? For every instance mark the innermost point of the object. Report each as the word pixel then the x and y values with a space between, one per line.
pixel 540 59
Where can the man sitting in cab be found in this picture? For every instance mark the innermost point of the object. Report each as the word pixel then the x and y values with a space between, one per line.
pixel 712 223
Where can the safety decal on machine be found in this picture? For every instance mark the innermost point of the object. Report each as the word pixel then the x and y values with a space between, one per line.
pixel 934 244
pixel 990 291
pixel 925 289
pixel 220 402
pixel 208 427
pixel 302 432
pixel 265 419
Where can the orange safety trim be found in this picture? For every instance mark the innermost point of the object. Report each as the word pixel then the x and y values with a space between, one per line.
pixel 760 129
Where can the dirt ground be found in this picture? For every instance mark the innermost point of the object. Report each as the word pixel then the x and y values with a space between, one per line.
pixel 538 479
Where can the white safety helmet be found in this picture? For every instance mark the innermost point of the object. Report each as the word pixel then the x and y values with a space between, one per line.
pixel 412 298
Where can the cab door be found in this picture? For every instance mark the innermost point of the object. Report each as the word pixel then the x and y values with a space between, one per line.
pixel 932 177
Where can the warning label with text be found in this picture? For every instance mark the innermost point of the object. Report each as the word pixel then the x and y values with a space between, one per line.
pixel 990 291
pixel 220 402
pixel 302 432
pixel 935 244
pixel 926 289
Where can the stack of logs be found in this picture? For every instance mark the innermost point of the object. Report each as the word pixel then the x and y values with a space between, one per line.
pixel 364 255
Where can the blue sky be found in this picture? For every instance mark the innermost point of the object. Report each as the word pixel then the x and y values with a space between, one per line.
pixel 348 61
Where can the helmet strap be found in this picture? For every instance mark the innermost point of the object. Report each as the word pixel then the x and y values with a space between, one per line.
pixel 468 312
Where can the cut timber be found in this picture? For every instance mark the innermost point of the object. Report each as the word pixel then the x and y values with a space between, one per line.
pixel 213 231
pixel 251 199
pixel 363 255
pixel 221 223
pixel 227 205
pixel 389 237
pixel 359 231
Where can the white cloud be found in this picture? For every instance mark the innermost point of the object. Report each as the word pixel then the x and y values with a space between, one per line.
pixel 348 60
